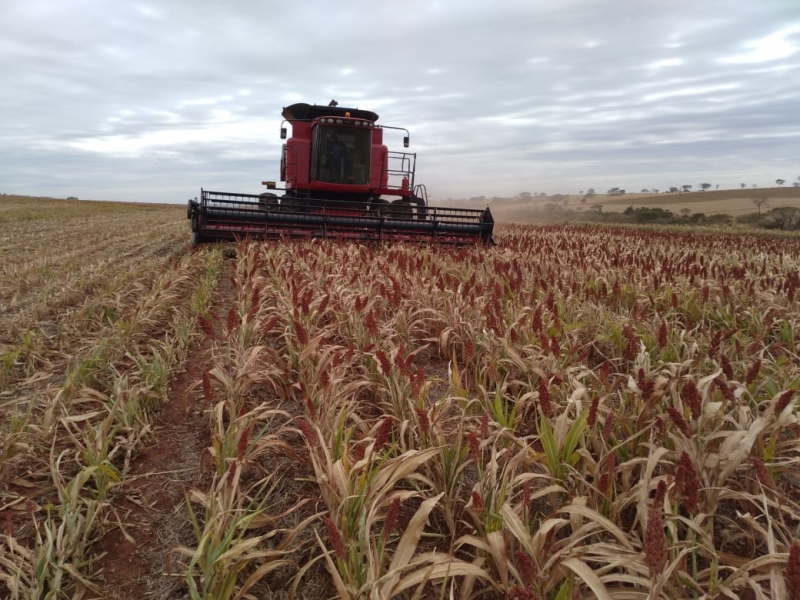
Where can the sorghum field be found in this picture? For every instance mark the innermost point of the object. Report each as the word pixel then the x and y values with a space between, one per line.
pixel 580 412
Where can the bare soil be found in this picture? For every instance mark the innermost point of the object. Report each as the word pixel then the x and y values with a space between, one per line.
pixel 134 562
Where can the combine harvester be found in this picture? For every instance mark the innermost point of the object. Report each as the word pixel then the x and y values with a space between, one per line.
pixel 338 175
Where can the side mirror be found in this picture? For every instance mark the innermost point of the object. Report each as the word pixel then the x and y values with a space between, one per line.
pixel 283 133
pixel 405 142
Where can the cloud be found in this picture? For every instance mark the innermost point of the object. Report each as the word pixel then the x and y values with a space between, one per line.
pixel 150 101
pixel 769 48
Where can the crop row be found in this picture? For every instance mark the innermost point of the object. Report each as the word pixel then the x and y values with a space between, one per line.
pixel 82 408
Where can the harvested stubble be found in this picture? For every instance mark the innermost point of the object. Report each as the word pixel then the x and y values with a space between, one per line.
pixel 76 422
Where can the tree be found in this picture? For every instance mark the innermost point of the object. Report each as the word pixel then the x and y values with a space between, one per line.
pixel 655 190
pixel 759 201
pixel 705 186
pixel 673 190
pixel 780 182
pixel 645 191
pixel 755 185
pixel 785 217
pixel 590 193
pixel 525 195
pixel 744 185
pixel 647 214
pixel 686 187
pixel 719 219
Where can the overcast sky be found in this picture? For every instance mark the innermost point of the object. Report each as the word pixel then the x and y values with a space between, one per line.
pixel 150 101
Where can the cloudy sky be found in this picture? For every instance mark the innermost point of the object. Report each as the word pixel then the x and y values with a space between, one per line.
pixel 149 101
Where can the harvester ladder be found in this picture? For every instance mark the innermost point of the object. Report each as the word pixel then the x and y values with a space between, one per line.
pixel 420 191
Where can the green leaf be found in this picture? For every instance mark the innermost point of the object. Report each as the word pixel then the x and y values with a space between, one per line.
pixel 574 434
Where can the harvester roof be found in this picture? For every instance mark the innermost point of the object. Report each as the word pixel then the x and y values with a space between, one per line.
pixel 303 112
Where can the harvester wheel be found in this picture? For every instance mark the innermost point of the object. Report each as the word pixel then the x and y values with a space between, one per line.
pixel 268 201
pixel 422 210
pixel 293 204
pixel 377 204
pixel 197 239
pixel 400 209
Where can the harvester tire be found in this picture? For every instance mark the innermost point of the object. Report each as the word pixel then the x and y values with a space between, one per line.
pixel 268 201
pixel 293 204
pixel 400 209
pixel 377 204
pixel 422 210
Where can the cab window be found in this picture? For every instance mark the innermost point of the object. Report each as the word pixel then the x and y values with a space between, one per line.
pixel 342 155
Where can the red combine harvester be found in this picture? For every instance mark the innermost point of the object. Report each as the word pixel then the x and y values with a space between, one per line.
pixel 338 175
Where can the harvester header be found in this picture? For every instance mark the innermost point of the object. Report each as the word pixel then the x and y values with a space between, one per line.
pixel 340 181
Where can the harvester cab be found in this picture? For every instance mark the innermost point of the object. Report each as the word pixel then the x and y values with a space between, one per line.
pixel 340 181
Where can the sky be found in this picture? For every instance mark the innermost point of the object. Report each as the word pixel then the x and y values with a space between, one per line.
pixel 150 101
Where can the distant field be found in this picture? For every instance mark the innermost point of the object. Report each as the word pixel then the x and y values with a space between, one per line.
pixel 731 202
pixel 31 208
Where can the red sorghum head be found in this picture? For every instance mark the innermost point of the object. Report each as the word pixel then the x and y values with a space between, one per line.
pixel 691 396
pixel 792 571
pixel 593 411
pixel 474 446
pixel 687 484
pixel 679 421
pixel 763 473
pixel 424 421
pixel 544 399
pixel 655 543
pixel 526 567
pixel 391 518
pixel 335 538
pixel 383 433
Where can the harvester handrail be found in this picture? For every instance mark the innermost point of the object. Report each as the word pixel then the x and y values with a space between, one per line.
pixel 408 165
